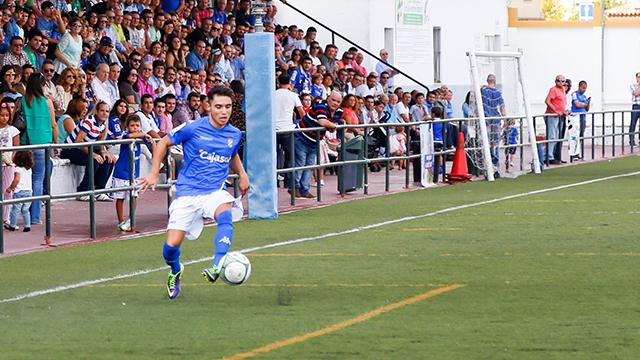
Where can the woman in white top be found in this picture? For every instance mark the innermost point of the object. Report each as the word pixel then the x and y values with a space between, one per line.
pixel 69 48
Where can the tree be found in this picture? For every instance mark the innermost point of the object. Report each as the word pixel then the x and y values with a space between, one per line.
pixel 609 4
pixel 553 10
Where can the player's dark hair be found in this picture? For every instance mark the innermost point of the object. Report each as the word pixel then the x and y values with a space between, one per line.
pixel 221 91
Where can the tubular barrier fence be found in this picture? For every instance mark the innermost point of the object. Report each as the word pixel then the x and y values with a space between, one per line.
pixel 606 129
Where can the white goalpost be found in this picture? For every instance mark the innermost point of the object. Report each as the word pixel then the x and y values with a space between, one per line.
pixel 484 135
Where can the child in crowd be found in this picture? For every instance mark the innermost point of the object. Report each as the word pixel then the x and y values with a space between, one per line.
pixel 317 90
pixel 9 136
pixel 21 188
pixel 121 169
pixel 510 135
pixel 398 146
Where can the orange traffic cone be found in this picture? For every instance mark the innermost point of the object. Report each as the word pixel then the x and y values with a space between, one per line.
pixel 459 172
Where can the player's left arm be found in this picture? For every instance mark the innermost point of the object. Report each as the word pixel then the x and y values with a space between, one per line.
pixel 243 179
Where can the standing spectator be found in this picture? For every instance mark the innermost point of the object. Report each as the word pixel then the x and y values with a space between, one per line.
pixel 50 23
pixel 9 136
pixel 418 111
pixel 383 66
pixel 92 128
pixel 402 107
pixel 493 104
pixel 324 114
pixel 635 107
pixel 580 104
pixel 69 50
pixel 469 107
pixel 286 102
pixel 350 111
pixel 556 103
pixel 20 187
pixel 562 123
pixel 41 129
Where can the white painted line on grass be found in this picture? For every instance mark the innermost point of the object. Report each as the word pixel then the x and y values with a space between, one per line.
pixel 314 238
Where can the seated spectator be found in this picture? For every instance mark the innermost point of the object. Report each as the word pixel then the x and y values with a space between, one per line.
pixel 7 86
pixel 15 55
pixel 301 77
pixel 144 80
pixel 100 86
pixel 118 114
pixel 128 88
pixel 195 59
pixel 65 88
pixel 103 54
pixel 148 122
pixel 189 111
pixel 76 111
pixel 91 129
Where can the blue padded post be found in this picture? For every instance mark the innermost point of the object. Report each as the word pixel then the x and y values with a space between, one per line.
pixel 260 150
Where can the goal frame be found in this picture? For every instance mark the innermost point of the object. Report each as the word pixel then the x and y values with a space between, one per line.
pixel 486 151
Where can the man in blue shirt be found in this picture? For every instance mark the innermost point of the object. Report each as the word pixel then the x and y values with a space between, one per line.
pixel 210 147
pixel 301 76
pixel 195 59
pixel 580 105
pixel 493 104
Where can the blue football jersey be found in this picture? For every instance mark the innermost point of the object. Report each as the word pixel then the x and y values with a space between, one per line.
pixel 207 154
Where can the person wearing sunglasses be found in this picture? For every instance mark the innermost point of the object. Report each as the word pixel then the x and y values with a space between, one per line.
pixel 69 50
pixel 556 104
pixel 15 55
pixel 103 54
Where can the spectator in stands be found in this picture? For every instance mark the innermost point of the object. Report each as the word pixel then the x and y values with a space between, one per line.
pixel 402 107
pixel 301 77
pixel 383 66
pixel 493 105
pixel 15 55
pixel 128 87
pixel 314 53
pixel 384 83
pixel 345 62
pixel 100 86
pixel 328 58
pixel 189 111
pixel 327 84
pixel 556 104
pixel 175 57
pixel 34 40
pixel 76 111
pixel 112 81
pixel 144 80
pixel 7 87
pixel 148 122
pixel 117 116
pixel 357 64
pixel 195 59
pixel 69 50
pixel 356 81
pixel 418 111
pixel 296 59
pixel 65 88
pixel 41 129
pixel 369 113
pixel 580 104
pixel 155 52
pixel 371 87
pixel 50 23
pixel 635 107
pixel 103 54
pixel 91 129
pixel 324 114
pixel 350 112
pixel 159 117
pixel 469 107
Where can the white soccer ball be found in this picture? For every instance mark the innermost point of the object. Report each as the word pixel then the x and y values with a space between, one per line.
pixel 236 268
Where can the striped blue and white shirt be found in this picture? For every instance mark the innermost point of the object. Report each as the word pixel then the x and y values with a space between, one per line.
pixel 492 101
pixel 90 126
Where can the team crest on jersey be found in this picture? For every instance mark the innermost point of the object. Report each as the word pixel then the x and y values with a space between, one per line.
pixel 230 142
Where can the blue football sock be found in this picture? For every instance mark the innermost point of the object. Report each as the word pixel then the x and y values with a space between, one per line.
pixel 172 257
pixel 224 236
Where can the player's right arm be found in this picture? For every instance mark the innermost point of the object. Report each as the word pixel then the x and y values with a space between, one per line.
pixel 159 153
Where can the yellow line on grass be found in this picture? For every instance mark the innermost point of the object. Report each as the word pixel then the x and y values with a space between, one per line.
pixel 342 325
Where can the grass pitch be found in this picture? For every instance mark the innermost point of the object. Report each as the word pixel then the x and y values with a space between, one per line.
pixel 546 276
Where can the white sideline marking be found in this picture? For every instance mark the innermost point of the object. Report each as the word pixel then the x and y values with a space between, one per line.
pixel 313 238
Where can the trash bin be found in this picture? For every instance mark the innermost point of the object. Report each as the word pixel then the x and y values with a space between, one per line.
pixel 353 175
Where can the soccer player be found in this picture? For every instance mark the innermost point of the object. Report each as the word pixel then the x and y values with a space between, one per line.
pixel 210 146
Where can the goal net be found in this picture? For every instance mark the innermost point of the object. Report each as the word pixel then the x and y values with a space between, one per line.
pixel 498 145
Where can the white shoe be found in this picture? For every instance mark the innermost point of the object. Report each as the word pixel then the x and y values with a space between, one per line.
pixel 83 198
pixel 125 225
pixel 103 197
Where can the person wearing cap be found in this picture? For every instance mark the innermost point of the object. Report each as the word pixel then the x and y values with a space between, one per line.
pixel 103 54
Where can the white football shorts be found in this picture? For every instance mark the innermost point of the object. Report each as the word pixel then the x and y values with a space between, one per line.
pixel 121 195
pixel 187 213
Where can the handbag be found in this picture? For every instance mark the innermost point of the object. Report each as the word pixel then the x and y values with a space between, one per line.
pixel 20 119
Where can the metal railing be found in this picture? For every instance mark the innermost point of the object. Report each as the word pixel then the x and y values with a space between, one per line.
pixel 334 33
pixel 609 124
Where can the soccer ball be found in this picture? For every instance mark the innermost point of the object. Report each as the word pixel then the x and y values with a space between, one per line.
pixel 236 268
